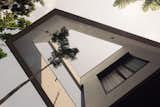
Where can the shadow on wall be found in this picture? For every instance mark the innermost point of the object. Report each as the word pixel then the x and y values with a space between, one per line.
pixel 31 56
pixel 145 95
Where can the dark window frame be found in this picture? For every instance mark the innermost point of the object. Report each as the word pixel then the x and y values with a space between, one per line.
pixel 117 63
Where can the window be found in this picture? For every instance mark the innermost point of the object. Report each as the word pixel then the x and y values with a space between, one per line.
pixel 121 70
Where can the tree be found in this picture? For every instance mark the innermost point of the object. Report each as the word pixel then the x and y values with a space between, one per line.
pixel 147 5
pixel 12 17
pixel 63 51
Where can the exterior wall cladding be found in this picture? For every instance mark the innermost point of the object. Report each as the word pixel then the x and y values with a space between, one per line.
pixel 93 92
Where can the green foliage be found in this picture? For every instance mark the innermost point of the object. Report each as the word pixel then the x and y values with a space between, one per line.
pixel 147 5
pixel 12 17
pixel 64 50
pixel 10 22
pixel 20 7
pixel 5 36
pixel 22 23
pixel 151 4
pixel 2 54
pixel 122 3
pixel 61 36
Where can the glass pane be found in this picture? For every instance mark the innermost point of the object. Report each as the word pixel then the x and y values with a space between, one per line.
pixel 134 64
pixel 111 81
pixel 124 71
pixel 120 71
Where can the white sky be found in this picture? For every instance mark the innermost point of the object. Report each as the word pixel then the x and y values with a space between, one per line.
pixel 131 18
pixel 42 10
pixel 92 51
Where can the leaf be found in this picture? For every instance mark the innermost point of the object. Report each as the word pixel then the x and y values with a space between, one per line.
pixel 2 54
pixel 10 21
pixel 64 50
pixel 147 5
pixel 5 36
pixel 122 3
pixel 151 5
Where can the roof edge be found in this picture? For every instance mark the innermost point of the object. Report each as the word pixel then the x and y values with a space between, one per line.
pixel 86 21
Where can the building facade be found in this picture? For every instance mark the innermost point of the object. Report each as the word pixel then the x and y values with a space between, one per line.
pixel 128 60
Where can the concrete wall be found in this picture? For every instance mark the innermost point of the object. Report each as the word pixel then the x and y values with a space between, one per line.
pixel 35 43
pixel 94 94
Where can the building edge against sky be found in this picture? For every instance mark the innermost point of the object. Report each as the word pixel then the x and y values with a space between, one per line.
pixel 107 14
pixel 125 39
